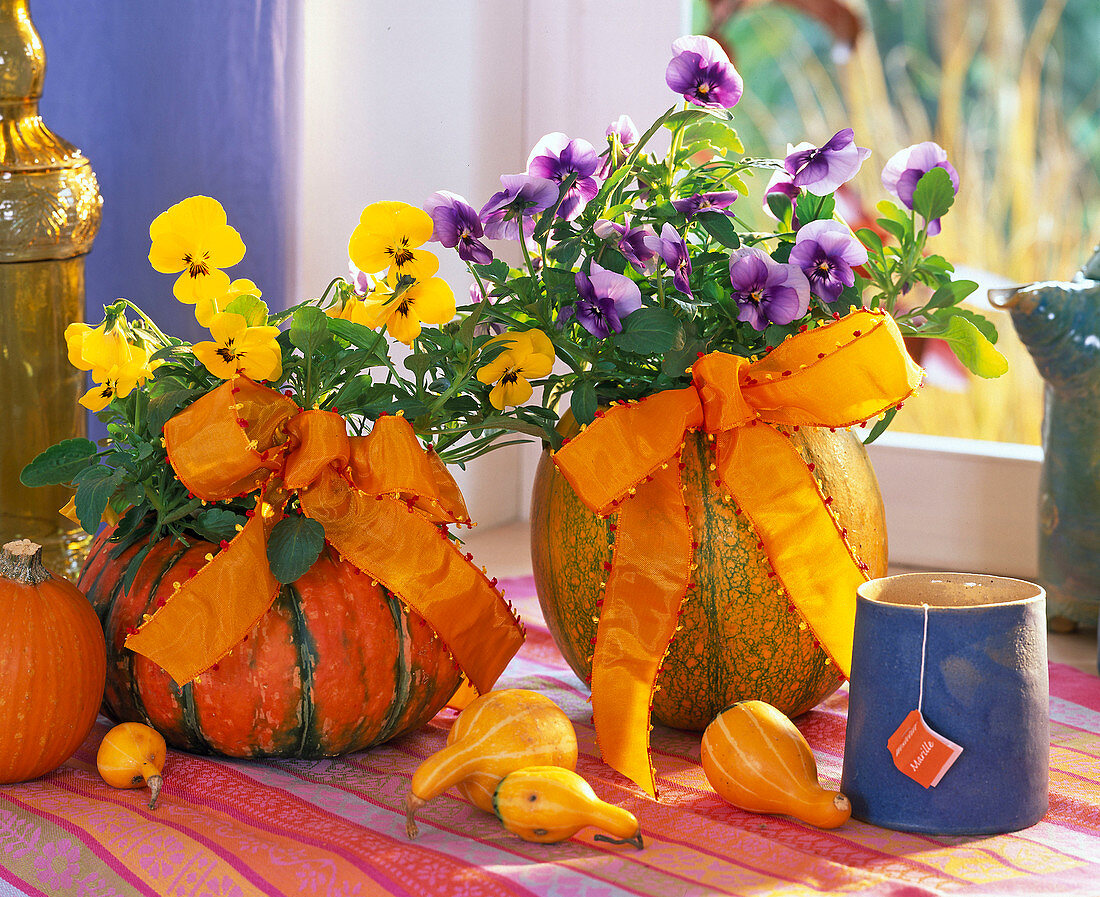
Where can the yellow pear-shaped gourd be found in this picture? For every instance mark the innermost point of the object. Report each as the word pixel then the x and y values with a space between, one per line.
pixel 547 804
pixel 132 755
pixel 755 758
pixel 496 734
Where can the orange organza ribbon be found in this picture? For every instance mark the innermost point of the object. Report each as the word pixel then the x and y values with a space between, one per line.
pixel 381 498
pixel 627 461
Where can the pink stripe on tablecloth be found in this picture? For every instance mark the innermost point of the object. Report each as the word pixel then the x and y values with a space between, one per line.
pixel 1074 685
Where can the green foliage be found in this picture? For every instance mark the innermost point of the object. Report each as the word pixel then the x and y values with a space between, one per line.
pixel 293 547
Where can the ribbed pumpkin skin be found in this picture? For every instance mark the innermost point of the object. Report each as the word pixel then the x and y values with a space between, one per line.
pixel 334 666
pixel 739 642
pixel 51 676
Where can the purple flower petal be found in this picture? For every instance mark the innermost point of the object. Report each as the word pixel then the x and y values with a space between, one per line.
pixel 523 196
pixel 701 202
pixel 766 290
pixel 905 168
pixel 701 72
pixel 821 170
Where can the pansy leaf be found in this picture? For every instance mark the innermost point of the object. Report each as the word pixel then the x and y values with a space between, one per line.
pixel 252 308
pixel 721 228
pixel 780 206
pixel 166 405
pixel 809 208
pixel 951 293
pixel 59 463
pixel 899 229
pixel 293 547
pixel 215 524
pixel 880 426
pixel 648 331
pixel 309 329
pixel 583 402
pixel 969 344
pixel 934 194
pixel 94 487
pixel 358 335
pixel 870 239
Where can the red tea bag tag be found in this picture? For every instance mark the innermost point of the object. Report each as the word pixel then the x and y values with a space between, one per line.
pixel 921 753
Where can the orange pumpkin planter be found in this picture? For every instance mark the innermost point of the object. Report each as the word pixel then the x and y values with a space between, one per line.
pixel 335 665
pixel 739 638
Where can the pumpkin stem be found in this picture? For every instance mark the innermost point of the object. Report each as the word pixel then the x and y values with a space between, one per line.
pixel 155 783
pixel 21 561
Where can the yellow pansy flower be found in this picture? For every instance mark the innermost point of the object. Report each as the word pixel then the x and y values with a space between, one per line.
pixel 428 301
pixel 205 309
pixel 240 349
pixel 193 237
pixel 388 237
pixel 110 515
pixel 117 365
pixel 529 355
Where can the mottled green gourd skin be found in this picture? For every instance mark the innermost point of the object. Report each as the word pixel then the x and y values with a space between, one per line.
pixel 336 665
pixel 1060 325
pixel 739 640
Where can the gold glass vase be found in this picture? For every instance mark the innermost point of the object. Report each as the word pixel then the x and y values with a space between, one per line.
pixel 50 209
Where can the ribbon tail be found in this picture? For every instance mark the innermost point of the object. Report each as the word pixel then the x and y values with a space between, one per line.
pixel 773 486
pixel 408 554
pixel 641 605
pixel 216 608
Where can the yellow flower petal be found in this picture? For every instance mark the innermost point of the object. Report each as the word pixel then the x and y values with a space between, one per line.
pixel 404 327
pixel 509 393
pixel 69 510
pixel 432 300
pixel 388 235
pixel 98 397
pixel 192 289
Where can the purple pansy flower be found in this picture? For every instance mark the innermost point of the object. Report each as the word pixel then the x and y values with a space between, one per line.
pixel 702 74
pixel 820 170
pixel 782 183
pixel 457 225
pixel 705 202
pixel 360 282
pixel 631 242
pixel 522 195
pixel 624 128
pixel 605 299
pixel 673 252
pixel 906 167
pixel 767 291
pixel 556 157
pixel 826 251
pixel 484 327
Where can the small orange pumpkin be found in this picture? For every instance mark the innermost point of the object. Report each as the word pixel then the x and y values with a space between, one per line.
pixel 52 668
pixel 756 758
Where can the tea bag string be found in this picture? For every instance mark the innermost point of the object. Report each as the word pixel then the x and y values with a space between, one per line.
pixel 923 649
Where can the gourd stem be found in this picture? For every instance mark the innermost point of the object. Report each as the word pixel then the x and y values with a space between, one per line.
pixel 21 561
pixel 155 783
pixel 412 804
pixel 636 841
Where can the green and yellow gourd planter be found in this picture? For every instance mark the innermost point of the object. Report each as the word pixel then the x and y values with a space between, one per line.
pixel 740 639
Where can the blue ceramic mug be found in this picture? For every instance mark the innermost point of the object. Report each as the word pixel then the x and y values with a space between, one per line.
pixel 970 652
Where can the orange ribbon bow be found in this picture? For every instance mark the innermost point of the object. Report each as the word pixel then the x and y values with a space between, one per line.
pixel 626 461
pixel 381 499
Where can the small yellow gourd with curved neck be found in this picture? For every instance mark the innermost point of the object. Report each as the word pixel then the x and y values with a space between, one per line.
pixel 547 804
pixel 496 734
pixel 756 758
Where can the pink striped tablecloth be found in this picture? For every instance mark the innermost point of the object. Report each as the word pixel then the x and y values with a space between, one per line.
pixel 337 826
